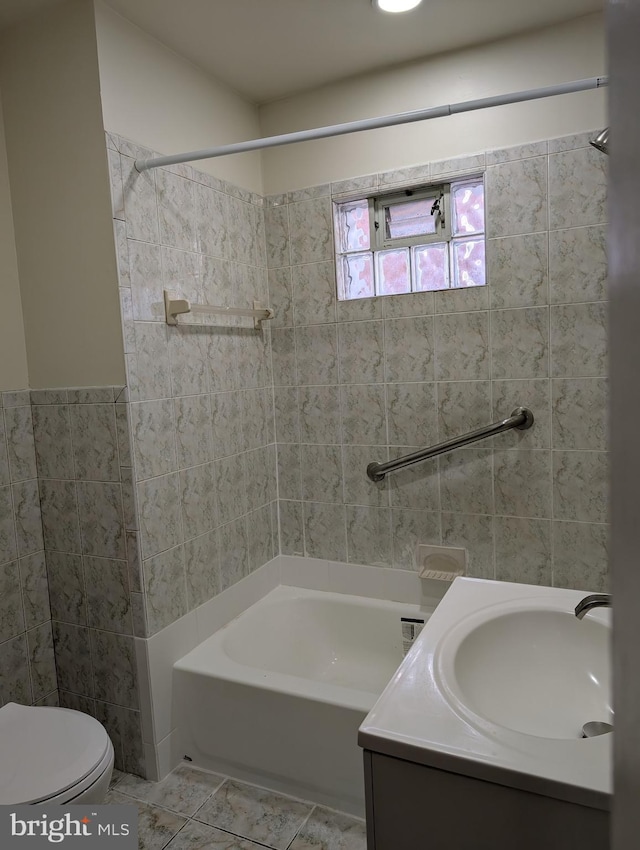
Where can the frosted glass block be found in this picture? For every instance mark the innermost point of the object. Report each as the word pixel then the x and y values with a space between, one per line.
pixel 467 200
pixel 355 276
pixel 410 218
pixel 392 272
pixel 468 263
pixel 431 267
pixel 352 226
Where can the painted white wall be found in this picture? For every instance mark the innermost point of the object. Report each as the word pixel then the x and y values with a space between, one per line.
pixel 60 195
pixel 158 99
pixel 559 54
pixel 13 352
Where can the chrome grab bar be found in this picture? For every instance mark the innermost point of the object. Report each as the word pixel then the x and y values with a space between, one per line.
pixel 521 418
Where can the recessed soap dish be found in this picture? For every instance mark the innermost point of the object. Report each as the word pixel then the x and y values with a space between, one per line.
pixel 442 563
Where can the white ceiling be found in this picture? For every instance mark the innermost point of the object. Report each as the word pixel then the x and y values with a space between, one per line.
pixel 269 49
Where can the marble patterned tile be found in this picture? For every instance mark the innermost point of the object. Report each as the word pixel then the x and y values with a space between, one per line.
pixel 516 197
pixel 474 533
pixel 230 488
pixel 42 662
pixel 115 178
pixel 572 141
pixel 368 535
pixel 254 358
pixel 176 211
pixel 364 419
pixel 287 415
pixel 11 610
pixel 534 394
pixel 281 297
pixel 580 486
pixel 358 488
pixel 35 589
pixel 73 658
pixel 517 271
pixel 188 354
pixel 324 531
pixel 405 306
pixel 122 258
pixel 153 375
pixel 198 836
pixel 316 354
pixel 107 590
pixel 211 220
pixel 408 529
pixel 259 537
pixel 415 486
pixel 320 415
pixel 411 174
pixel 193 433
pixel 222 360
pixel 20 443
pixel 165 587
pixel 578 264
pixel 329 830
pixel 321 468
pixel 579 340
pixel 525 151
pixel 234 552
pixel 580 413
pixel 314 293
pixel 520 343
pixel 276 220
pixel 141 210
pixel 28 520
pixel 465 481
pixel 154 440
pixel 355 184
pixel 226 424
pixel 101 519
pixel 461 406
pixel 361 352
pixel 198 498
pixel 462 347
pixel 522 482
pixel 8 546
pixel 145 270
pixel 577 188
pixel 409 348
pixel 183 791
pixel 67 593
pixel 291 526
pixel 218 282
pixel 129 505
pixel 359 309
pixel 92 395
pixel 581 556
pixel 463 300
pixel 156 826
pixel 311 231
pixel 15 682
pixel 123 433
pixel 456 165
pixel 159 514
pixel 202 569
pixel 114 667
pixel 283 343
pixel 257 418
pixel 523 550
pixel 260 476
pixel 289 470
pixel 411 413
pixel 5 477
pixel 95 442
pixel 20 398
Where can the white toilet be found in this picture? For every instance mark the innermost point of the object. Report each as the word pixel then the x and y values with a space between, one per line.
pixel 52 755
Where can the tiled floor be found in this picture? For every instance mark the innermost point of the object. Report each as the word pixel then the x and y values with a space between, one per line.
pixel 194 810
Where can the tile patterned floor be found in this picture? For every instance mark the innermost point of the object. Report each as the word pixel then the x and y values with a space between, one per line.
pixel 194 810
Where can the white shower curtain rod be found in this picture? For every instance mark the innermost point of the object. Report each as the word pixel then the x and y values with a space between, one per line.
pixel 374 123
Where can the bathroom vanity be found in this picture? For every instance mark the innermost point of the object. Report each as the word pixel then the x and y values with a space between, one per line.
pixel 476 743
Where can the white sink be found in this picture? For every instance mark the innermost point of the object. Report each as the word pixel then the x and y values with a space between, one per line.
pixel 529 666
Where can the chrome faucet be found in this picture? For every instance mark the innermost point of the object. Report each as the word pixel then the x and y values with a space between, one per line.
pixel 596 600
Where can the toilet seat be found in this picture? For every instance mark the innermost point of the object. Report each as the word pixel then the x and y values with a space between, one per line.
pixel 49 755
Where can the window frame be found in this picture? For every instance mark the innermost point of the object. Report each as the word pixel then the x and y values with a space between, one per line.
pixel 382 202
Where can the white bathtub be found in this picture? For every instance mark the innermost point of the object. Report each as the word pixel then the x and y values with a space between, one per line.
pixel 276 696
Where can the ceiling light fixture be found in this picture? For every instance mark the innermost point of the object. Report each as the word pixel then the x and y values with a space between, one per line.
pixel 396 5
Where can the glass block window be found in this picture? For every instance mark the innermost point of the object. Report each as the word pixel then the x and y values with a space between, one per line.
pixel 420 240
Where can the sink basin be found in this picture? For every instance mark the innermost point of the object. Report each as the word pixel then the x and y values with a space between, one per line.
pixel 531 668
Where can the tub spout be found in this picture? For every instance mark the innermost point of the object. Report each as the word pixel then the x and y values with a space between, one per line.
pixel 596 600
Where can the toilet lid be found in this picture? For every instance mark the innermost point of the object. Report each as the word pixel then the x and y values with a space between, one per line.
pixel 44 750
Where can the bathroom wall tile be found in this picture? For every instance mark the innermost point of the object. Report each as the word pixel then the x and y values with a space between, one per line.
pixel 409 528
pixel 317 354
pixel 580 486
pixel 578 264
pixel 314 293
pixel 154 441
pixel 115 177
pixel 281 297
pixel 358 488
pixel 523 550
pixel 230 488
pixel 130 723
pixel 123 433
pixel 577 188
pixel 462 347
pixel 42 662
pixel 475 534
pixel 176 211
pixel 320 415
pixel 520 343
pixel 67 592
pixel 276 220
pixel 461 406
pixel 283 343
pixel 369 535
pixel 415 486
pixel 580 413
pixel 517 271
pixel 286 414
pixel 26 505
pixel 259 537
pixel 226 424
pixel 581 556
pixel 79 703
pixel 291 523
pixel 8 546
pixel 534 394
pixel 138 614
pixel 101 519
pixel 193 434
pixel 35 589
pixel 129 505
pixel 145 270
pixel 159 514
pixel 516 197
pixel 218 282
pixel 234 552
pixel 188 353
pixel 309 193
pixel 202 569
pixel 5 477
pixel 152 365
pixel 15 684
pixel 73 659
pixel 525 151
pixel 92 395
pixel 415 304
pixel 107 589
pixel 361 347
pixel 522 481
pixel 165 587
pixel 355 185
pixel 364 420
pixel 20 398
pixel 257 418
pixel 114 668
pixel 197 490
pixel 465 481
pixel 359 309
pixel 579 340
pixel 289 480
pixel 321 468
pixel 134 560
pixel 222 360
pixel 411 174
pixel 211 220
pixel 409 349
pixel 311 231
pixel 254 358
pixel 260 476
pixel 20 443
pixel 467 300
pixel 411 413
pixel 572 141
pixel 11 610
pixel 457 165
pixel 95 444
pixel 325 533
pixel 141 210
